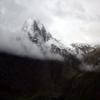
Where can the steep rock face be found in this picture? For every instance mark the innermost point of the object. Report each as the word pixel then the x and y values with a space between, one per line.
pixel 89 55
pixel 81 49
pixel 36 31
pixel 48 45
pixel 51 48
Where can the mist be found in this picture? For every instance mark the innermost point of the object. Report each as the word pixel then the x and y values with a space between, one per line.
pixel 69 21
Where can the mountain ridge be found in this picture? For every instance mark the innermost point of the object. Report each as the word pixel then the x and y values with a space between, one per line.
pixel 38 35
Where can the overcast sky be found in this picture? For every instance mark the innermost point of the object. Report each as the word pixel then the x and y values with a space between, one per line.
pixel 68 20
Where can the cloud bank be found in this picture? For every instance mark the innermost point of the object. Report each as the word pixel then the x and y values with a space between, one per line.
pixel 68 20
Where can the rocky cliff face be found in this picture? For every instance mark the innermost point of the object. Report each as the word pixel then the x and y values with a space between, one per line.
pixel 51 48
pixel 48 45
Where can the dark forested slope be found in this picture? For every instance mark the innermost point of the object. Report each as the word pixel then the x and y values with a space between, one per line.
pixel 21 76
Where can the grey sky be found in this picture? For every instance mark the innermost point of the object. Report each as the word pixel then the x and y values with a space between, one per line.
pixel 68 20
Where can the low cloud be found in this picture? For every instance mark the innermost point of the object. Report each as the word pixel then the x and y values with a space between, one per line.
pixel 67 20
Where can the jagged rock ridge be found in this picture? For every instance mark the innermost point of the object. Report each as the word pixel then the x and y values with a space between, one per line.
pixel 38 35
pixel 51 47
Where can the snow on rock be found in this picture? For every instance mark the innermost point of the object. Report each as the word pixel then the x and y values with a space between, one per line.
pixel 45 43
pixel 49 46
pixel 34 41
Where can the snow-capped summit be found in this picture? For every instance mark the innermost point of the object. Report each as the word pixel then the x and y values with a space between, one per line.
pixel 35 29
pixel 50 48
pixel 47 44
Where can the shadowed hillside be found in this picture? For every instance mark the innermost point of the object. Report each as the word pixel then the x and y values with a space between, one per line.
pixel 31 79
pixel 24 76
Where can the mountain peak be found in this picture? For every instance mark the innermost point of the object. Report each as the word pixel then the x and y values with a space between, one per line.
pixel 36 31
pixel 47 44
pixel 44 45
